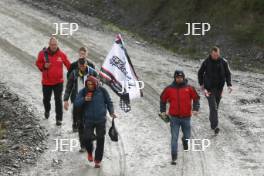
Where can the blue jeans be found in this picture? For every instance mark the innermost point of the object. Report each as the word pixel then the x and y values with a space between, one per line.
pixel 176 123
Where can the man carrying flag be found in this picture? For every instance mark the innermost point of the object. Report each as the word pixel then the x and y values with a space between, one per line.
pixel 118 72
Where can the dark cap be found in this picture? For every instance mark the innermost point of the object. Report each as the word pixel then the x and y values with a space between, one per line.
pixel 179 73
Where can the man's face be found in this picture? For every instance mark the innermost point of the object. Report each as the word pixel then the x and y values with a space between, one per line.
pixel 215 55
pixel 179 79
pixel 53 45
pixel 82 54
pixel 90 85
pixel 82 67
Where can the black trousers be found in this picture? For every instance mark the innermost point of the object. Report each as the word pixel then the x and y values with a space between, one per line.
pixel 100 130
pixel 78 123
pixel 76 116
pixel 47 92
pixel 213 102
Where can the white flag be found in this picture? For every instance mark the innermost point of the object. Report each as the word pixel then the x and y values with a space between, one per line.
pixel 118 69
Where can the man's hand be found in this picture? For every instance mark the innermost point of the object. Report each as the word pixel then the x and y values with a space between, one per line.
pixel 66 105
pixel 202 87
pixel 87 98
pixel 195 113
pixel 113 115
pixel 230 89
pixel 206 93
pixel 47 65
pixel 163 115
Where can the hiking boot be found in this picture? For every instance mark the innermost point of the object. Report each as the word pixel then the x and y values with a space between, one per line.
pixel 74 128
pixel 46 114
pixel 58 123
pixel 82 150
pixel 90 157
pixel 216 130
pixel 185 144
pixel 173 159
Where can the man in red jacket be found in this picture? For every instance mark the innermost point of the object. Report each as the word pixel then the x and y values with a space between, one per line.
pixel 182 98
pixel 50 62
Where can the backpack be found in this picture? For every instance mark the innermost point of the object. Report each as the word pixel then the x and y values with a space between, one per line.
pixel 46 55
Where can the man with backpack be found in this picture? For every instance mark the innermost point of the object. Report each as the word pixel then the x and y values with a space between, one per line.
pixel 184 101
pixel 75 83
pixel 212 76
pixel 50 62
pixel 95 101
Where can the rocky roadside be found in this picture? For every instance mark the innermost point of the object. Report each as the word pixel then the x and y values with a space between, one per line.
pixel 22 139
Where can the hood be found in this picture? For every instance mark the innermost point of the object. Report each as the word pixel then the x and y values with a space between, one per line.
pixel 184 83
pixel 94 80
pixel 179 73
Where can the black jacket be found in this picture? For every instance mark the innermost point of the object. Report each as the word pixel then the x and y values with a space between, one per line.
pixel 214 73
pixel 74 66
pixel 71 90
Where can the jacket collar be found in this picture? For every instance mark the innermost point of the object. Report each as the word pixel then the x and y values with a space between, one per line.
pixel 52 53
pixel 210 58
pixel 184 83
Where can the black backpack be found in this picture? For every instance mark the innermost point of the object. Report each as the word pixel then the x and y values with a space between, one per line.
pixel 46 55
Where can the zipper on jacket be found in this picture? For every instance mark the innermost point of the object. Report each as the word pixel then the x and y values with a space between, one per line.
pixel 178 101
pixel 46 70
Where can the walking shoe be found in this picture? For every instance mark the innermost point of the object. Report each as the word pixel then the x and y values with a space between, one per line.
pixel 74 128
pixel 185 144
pixel 82 150
pixel 90 157
pixel 217 130
pixel 173 159
pixel 58 123
pixel 97 164
pixel 46 114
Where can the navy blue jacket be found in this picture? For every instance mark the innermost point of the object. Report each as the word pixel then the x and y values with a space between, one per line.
pixel 95 110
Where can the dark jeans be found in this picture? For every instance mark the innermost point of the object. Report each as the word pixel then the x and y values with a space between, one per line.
pixel 78 123
pixel 177 123
pixel 47 92
pixel 213 102
pixel 100 138
pixel 81 135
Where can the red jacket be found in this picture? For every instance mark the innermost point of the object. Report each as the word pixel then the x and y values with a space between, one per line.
pixel 54 74
pixel 181 98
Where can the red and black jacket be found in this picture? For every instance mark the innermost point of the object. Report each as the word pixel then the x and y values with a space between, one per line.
pixel 182 98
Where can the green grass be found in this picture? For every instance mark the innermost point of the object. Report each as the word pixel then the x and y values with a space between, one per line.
pixel 2 132
pixel 163 22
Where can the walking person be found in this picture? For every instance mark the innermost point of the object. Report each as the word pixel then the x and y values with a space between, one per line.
pixel 83 53
pixel 50 62
pixel 212 76
pixel 95 101
pixel 75 83
pixel 184 101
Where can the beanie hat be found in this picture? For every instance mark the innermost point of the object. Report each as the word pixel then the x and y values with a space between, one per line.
pixel 179 73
